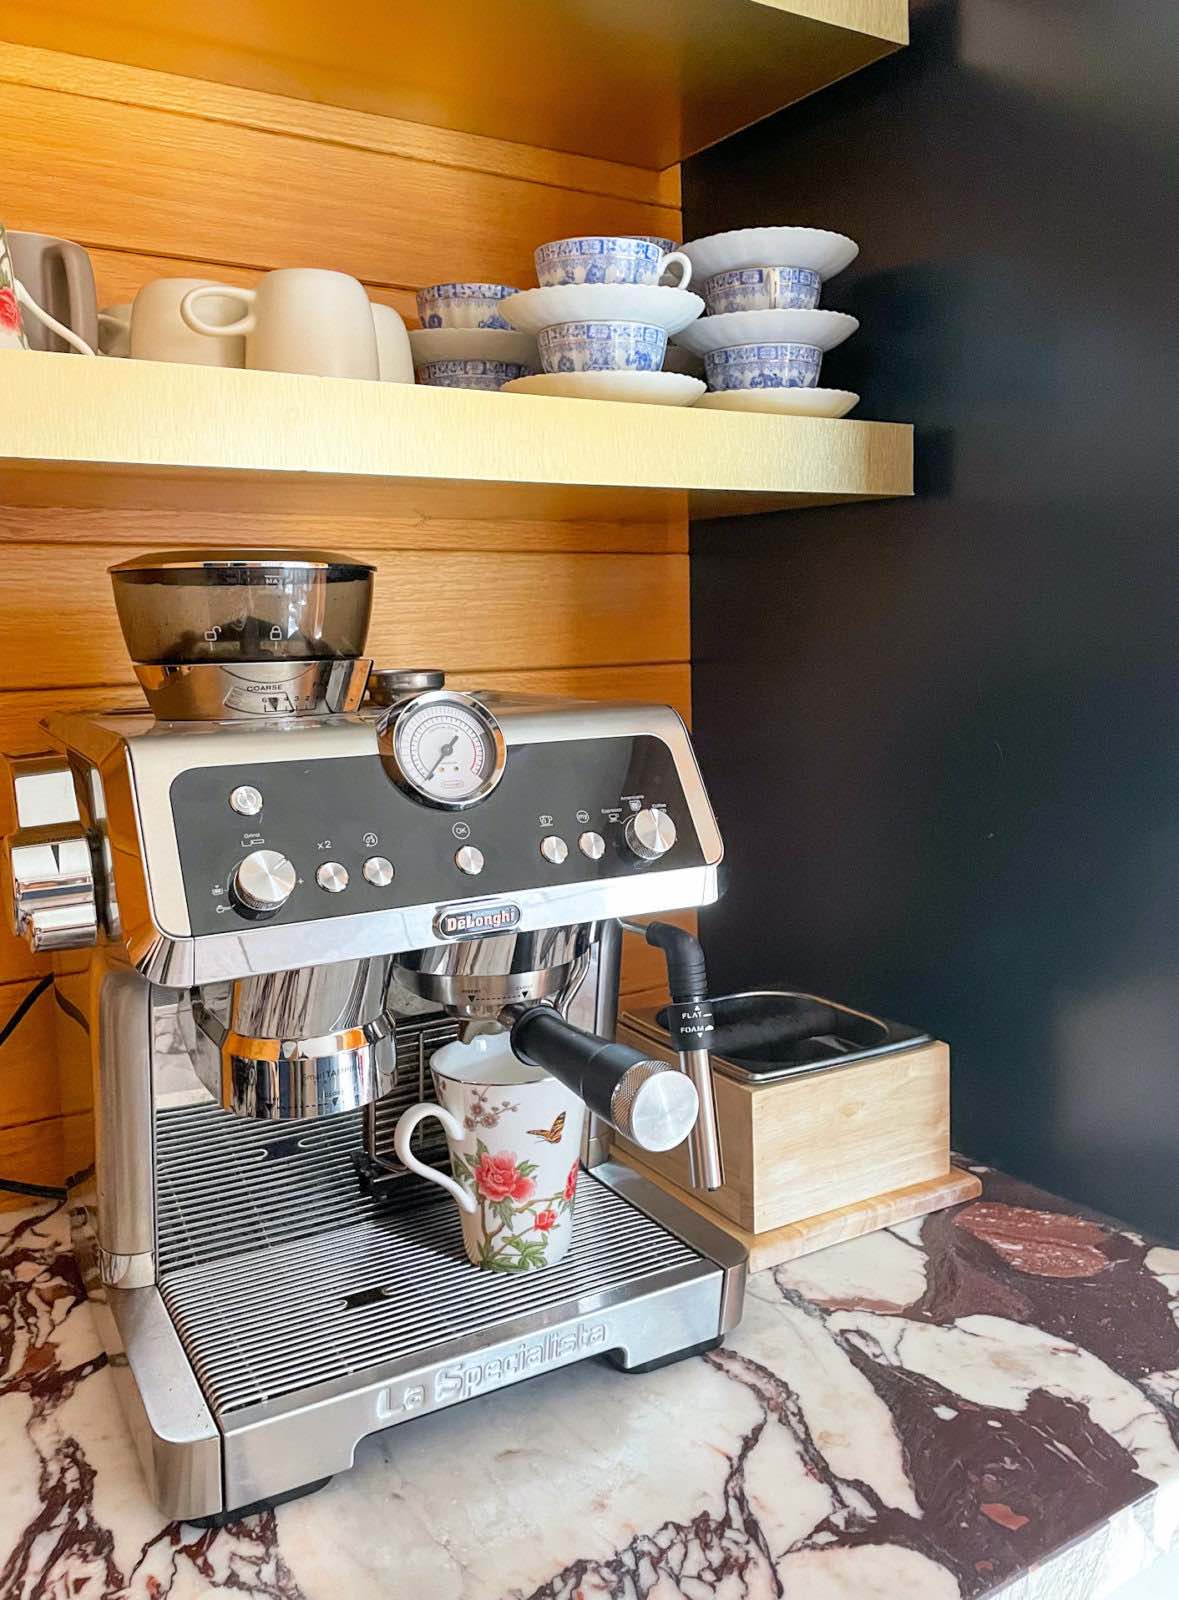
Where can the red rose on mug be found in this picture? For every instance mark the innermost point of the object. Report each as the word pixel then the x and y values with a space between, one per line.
pixel 545 1220
pixel 497 1178
pixel 9 312
pixel 571 1180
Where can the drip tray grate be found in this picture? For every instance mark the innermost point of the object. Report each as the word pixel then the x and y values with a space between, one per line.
pixel 261 1325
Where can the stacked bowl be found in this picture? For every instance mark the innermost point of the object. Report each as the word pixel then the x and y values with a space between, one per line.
pixel 465 341
pixel 764 338
pixel 602 316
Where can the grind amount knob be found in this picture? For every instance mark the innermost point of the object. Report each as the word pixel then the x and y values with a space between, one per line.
pixel 264 881
pixel 650 833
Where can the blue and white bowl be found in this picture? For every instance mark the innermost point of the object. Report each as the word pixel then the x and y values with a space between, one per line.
pixel 763 366
pixel 602 347
pixel 463 305
pixel 470 374
pixel 763 289
pixel 608 258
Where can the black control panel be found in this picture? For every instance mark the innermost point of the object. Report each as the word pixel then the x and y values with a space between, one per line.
pixel 285 842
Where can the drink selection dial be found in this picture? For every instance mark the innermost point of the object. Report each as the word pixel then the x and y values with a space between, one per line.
pixel 650 833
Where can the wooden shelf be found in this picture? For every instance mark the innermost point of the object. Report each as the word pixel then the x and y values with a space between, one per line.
pixel 645 82
pixel 101 432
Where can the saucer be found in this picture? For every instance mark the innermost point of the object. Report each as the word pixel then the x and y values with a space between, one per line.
pixel 825 253
pixel 825 329
pixel 782 402
pixel 472 344
pixel 648 388
pixel 534 309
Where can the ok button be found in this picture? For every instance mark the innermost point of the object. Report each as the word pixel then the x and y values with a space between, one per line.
pixel 461 830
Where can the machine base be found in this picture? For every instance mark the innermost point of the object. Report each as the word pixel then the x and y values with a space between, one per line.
pixel 620 1364
pixel 222 1519
pixel 298 1351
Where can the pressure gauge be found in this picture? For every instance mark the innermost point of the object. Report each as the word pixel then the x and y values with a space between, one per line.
pixel 445 747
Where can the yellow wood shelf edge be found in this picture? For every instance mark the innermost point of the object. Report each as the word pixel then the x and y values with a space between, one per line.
pixel 142 414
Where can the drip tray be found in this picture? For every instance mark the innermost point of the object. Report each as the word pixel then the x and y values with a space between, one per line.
pixel 395 1287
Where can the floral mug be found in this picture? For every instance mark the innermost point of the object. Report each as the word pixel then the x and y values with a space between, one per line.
pixel 14 296
pixel 12 333
pixel 514 1136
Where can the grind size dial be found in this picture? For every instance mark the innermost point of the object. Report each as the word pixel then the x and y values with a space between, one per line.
pixel 445 748
pixel 263 882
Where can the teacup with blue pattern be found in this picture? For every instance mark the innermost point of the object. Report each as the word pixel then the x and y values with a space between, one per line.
pixel 602 347
pixel 763 366
pixel 763 289
pixel 470 374
pixel 463 305
pixel 607 258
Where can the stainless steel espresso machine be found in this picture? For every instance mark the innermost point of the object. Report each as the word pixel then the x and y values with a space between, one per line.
pixel 270 900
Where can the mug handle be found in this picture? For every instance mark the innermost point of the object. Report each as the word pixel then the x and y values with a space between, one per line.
pixel 79 277
pixel 54 326
pixel 676 258
pixel 406 1124
pixel 229 330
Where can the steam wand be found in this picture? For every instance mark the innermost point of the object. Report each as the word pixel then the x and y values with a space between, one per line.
pixel 647 1101
pixel 690 1024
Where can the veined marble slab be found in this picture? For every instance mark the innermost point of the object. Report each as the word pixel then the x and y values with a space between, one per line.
pixel 984 1402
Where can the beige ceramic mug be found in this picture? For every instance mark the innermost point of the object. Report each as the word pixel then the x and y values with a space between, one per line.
pixel 298 319
pixel 114 330
pixel 394 356
pixel 159 333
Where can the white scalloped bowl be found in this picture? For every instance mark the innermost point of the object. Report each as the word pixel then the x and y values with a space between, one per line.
pixel 823 252
pixel 641 388
pixel 534 309
pixel 779 402
pixel 825 329
pixel 473 344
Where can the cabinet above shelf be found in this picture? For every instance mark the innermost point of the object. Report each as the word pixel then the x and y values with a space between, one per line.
pixel 102 432
pixel 644 82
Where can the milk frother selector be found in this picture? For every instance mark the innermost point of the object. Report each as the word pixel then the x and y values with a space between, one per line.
pixel 271 900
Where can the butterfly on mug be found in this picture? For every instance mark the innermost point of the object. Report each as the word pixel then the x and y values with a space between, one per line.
pixel 550 1135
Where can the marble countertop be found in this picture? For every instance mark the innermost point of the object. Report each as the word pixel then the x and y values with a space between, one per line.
pixel 984 1402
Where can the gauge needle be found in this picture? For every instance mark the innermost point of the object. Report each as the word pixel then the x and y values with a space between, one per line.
pixel 442 755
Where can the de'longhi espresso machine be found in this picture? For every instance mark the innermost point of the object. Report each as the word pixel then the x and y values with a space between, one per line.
pixel 270 900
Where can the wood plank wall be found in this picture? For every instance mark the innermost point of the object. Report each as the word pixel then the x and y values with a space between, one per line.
pixel 165 176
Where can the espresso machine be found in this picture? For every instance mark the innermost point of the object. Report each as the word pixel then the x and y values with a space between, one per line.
pixel 270 899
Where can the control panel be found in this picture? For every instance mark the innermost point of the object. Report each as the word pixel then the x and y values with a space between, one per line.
pixel 304 840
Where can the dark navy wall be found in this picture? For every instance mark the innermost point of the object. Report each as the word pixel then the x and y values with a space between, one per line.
pixel 943 735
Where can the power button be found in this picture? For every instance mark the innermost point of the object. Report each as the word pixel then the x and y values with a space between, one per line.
pixel 245 800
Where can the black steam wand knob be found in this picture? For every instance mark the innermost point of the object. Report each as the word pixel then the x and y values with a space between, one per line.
pixel 646 1100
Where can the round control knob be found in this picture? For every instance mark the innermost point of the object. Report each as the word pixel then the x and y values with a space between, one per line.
pixel 264 881
pixel 378 870
pixel 650 833
pixel 469 859
pixel 245 800
pixel 554 849
pixel 331 877
pixel 592 846
pixel 654 1106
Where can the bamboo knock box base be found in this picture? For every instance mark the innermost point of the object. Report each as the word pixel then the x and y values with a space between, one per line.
pixel 796 1239
pixel 822 1156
